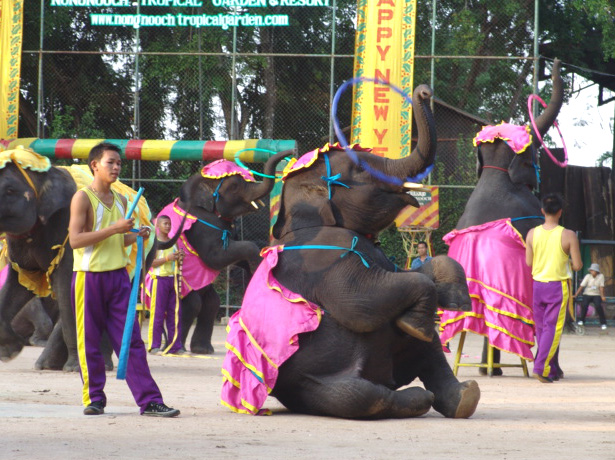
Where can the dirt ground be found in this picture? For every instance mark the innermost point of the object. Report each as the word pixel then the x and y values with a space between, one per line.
pixel 517 417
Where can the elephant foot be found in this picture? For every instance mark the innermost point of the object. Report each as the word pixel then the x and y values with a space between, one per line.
pixel 202 349
pixel 109 364
pixel 48 362
pixel 10 345
pixel 37 341
pixel 416 328
pixel 71 364
pixel 457 400
pixel 470 395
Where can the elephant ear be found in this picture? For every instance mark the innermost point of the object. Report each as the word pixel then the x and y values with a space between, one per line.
pixel 197 192
pixel 56 191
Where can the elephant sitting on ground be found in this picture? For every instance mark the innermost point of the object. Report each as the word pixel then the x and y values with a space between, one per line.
pixel 364 328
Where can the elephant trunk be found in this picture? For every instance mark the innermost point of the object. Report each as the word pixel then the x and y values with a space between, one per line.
pixel 425 150
pixel 546 119
pixel 259 189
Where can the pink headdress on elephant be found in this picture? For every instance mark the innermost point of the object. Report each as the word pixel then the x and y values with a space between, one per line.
pixel 308 159
pixel 224 168
pixel 517 137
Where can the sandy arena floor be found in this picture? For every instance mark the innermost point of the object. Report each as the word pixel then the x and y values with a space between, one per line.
pixel 517 418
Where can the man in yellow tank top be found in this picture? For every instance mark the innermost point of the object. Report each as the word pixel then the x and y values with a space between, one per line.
pixel 548 249
pixel 98 233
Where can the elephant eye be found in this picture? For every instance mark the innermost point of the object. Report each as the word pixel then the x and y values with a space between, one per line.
pixel 10 191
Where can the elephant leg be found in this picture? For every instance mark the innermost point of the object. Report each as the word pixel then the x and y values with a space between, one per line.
pixel 191 306
pixel 496 360
pixel 33 322
pixel 201 337
pixel 55 353
pixel 61 282
pixel 107 351
pixel 13 296
pixel 357 398
pixel 452 398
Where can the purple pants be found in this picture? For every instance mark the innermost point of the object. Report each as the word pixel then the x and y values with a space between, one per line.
pixel 550 301
pixel 100 303
pixel 165 310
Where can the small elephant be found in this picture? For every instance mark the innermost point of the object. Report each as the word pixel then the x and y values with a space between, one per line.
pixel 361 328
pixel 216 196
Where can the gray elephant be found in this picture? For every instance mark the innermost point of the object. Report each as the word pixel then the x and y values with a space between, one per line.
pixel 217 195
pixel 507 179
pixel 362 328
pixel 34 213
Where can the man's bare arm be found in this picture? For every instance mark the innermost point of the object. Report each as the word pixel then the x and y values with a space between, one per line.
pixel 529 253
pixel 77 234
pixel 575 251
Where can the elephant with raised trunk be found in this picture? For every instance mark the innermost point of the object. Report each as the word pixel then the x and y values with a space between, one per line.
pixel 507 160
pixel 362 328
pixel 217 195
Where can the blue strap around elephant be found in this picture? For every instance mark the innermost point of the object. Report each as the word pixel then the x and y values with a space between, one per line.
pixel 527 217
pixel 225 233
pixel 351 249
pixel 331 180
pixel 131 313
pixel 216 192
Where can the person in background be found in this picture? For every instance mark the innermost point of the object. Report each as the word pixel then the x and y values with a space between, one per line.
pixel 548 248
pixel 593 293
pixel 164 301
pixel 423 256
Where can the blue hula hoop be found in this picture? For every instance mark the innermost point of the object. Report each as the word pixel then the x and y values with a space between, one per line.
pixel 344 142
pixel 256 173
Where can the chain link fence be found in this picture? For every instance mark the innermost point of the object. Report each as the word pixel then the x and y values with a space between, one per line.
pixel 85 81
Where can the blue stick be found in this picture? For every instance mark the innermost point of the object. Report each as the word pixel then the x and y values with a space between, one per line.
pixel 135 202
pixel 130 314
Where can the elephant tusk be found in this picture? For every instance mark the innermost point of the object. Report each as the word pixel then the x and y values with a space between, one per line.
pixel 254 204
pixel 260 202
pixel 416 187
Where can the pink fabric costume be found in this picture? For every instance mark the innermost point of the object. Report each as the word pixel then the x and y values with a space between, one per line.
pixel 500 285
pixel 517 137
pixel 262 335
pixel 3 275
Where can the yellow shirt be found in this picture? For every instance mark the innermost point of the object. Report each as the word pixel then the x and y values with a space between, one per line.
pixel 109 254
pixel 167 268
pixel 550 262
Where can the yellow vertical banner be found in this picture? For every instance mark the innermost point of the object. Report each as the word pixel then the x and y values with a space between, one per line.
pixel 11 25
pixel 384 49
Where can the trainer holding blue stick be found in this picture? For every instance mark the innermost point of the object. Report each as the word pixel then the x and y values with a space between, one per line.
pixel 99 233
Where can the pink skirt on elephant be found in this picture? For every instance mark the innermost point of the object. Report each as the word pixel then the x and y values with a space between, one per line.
pixel 262 335
pixel 500 285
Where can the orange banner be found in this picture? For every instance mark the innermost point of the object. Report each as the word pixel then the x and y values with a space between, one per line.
pixel 384 49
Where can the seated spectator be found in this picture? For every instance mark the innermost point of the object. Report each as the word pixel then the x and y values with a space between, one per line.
pixel 593 293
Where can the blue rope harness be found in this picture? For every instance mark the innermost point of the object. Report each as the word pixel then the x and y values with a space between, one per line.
pixel 225 233
pixel 216 194
pixel 331 180
pixel 527 217
pixel 351 249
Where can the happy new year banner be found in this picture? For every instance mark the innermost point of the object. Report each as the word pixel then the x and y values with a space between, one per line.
pixel 11 16
pixel 384 49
